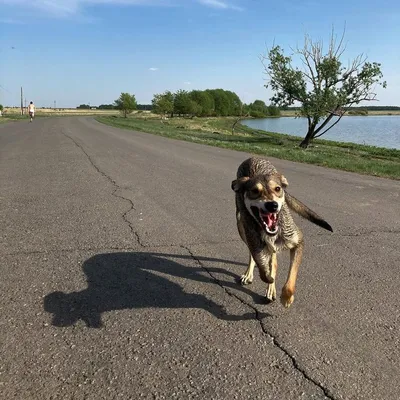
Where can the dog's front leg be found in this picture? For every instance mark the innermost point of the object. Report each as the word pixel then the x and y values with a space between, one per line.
pixel 296 254
pixel 271 291
pixel 247 277
pixel 262 259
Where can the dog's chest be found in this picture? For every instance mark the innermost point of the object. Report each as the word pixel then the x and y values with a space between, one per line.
pixel 274 244
pixel 280 242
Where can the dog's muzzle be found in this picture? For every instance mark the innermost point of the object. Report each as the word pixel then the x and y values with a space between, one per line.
pixel 268 217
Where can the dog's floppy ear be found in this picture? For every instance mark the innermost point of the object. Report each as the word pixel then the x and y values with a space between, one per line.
pixel 284 181
pixel 237 184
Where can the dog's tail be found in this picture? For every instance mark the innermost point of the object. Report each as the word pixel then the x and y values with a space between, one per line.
pixel 301 209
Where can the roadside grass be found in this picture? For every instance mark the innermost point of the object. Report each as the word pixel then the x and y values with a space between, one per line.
pixel 3 120
pixel 12 117
pixel 217 132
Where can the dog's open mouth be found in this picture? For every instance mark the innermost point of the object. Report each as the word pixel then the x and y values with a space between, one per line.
pixel 269 221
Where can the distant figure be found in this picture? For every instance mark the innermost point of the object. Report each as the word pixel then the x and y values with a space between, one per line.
pixel 31 110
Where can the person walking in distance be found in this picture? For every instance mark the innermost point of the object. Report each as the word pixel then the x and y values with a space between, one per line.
pixel 31 110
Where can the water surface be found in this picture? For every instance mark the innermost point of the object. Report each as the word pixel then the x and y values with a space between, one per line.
pixel 379 130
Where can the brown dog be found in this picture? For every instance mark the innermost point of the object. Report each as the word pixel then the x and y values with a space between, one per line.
pixel 266 225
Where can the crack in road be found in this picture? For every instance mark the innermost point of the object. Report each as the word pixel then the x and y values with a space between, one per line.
pixel 258 317
pixel 114 193
pixel 132 206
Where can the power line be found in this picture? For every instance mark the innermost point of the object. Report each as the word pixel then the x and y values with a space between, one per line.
pixel 2 87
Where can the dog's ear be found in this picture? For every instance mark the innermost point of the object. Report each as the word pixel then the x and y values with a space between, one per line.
pixel 237 184
pixel 284 181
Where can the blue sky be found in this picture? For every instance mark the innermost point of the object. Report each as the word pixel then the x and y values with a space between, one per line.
pixel 81 51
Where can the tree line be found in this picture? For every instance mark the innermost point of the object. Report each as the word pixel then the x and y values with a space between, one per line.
pixel 209 103
pixel 143 107
pixel 199 103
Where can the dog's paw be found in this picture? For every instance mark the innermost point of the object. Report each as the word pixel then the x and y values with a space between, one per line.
pixel 271 292
pixel 246 279
pixel 287 298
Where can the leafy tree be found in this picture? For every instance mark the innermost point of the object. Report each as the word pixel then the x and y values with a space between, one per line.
pixel 258 109
pixel 246 109
pixel 144 107
pixel 83 107
pixel 106 107
pixel 225 102
pixel 205 102
pixel 221 102
pixel 126 103
pixel 235 105
pixel 1 107
pixel 198 102
pixel 273 111
pixel 182 102
pixel 260 106
pixel 163 103
pixel 194 108
pixel 324 88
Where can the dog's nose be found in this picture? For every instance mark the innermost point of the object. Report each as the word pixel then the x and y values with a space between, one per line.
pixel 271 206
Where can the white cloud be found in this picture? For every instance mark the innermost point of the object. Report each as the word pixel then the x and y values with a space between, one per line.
pixel 222 5
pixel 66 8
pixel 187 83
pixel 153 69
pixel 52 7
pixel 10 21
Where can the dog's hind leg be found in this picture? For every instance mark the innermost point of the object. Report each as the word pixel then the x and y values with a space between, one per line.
pixel 271 291
pixel 247 277
pixel 287 295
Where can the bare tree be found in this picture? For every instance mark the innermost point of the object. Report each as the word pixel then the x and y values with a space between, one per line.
pixel 239 118
pixel 323 87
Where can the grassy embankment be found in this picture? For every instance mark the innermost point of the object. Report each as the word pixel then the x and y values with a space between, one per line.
pixel 218 132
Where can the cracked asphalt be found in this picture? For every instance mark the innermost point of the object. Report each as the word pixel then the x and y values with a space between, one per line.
pixel 119 258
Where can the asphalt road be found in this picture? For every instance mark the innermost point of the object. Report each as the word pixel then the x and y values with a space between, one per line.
pixel 119 254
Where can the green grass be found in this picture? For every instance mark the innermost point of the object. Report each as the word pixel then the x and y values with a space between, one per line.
pixel 10 118
pixel 362 159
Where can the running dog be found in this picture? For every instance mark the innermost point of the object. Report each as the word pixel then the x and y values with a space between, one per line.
pixel 266 225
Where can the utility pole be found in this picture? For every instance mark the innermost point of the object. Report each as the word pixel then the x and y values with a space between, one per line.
pixel 55 104
pixel 25 102
pixel 22 102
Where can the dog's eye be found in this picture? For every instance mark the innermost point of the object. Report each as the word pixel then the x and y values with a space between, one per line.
pixel 255 191
pixel 278 189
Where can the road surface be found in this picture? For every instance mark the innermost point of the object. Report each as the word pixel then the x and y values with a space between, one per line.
pixel 119 255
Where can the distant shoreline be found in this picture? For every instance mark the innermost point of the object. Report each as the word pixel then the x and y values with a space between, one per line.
pixel 292 113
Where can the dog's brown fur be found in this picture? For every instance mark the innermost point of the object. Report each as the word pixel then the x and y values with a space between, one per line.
pixel 259 189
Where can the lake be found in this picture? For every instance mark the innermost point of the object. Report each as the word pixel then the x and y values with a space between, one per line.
pixel 382 131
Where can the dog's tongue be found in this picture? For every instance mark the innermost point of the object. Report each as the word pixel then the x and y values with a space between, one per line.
pixel 270 219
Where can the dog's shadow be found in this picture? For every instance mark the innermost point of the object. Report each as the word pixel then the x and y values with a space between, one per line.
pixel 132 280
